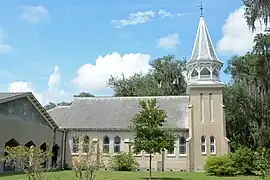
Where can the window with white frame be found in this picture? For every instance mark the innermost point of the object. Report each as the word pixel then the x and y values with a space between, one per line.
pixel 211 107
pixel 201 107
pixel 203 145
pixel 86 144
pixel 212 145
pixel 182 145
pixel 117 143
pixel 75 144
pixel 106 144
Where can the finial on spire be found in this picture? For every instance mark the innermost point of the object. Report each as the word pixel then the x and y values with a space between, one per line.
pixel 201 8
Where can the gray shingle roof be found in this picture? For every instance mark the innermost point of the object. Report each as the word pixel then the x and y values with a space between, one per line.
pixel 9 95
pixel 116 112
pixel 203 48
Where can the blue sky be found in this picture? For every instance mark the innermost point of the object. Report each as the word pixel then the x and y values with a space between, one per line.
pixel 43 39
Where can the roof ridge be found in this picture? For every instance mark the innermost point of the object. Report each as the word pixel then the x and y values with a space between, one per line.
pixel 130 97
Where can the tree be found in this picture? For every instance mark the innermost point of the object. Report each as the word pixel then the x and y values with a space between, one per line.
pixel 149 135
pixel 64 103
pixel 248 120
pixel 257 10
pixel 29 160
pixel 49 106
pixel 164 78
pixel 88 161
pixel 84 94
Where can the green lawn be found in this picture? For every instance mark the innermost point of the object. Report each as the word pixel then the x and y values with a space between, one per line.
pixel 110 175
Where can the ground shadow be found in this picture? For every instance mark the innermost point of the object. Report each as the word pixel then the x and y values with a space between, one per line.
pixel 10 174
pixel 165 178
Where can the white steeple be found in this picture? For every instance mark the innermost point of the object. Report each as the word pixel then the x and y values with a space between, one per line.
pixel 203 66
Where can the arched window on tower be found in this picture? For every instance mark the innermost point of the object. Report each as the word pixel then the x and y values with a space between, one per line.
pixel 194 73
pixel 203 145
pixel 215 73
pixel 212 145
pixel 117 143
pixel 86 144
pixel 106 144
pixel 182 146
pixel 205 73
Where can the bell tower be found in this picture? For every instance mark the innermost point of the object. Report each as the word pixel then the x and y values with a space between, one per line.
pixel 207 134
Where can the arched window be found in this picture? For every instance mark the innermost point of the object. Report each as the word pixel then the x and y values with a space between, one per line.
pixel 212 145
pixel 215 73
pixel 106 144
pixel 117 143
pixel 194 73
pixel 205 72
pixel 203 145
pixel 75 144
pixel 182 145
pixel 86 144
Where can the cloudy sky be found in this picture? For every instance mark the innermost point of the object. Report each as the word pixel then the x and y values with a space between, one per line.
pixel 58 48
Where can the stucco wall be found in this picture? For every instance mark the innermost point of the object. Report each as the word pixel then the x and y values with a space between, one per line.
pixel 175 162
pixel 207 128
pixel 23 127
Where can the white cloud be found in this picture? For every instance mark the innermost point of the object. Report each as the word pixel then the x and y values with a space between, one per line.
pixel 237 37
pixel 34 14
pixel 134 18
pixel 143 17
pixel 92 77
pixel 4 48
pixel 53 94
pixel 169 42
pixel 54 79
pixel 164 13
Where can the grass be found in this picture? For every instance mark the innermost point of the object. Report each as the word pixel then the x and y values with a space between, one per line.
pixel 111 175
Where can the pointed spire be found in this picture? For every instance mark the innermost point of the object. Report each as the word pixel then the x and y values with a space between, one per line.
pixel 203 48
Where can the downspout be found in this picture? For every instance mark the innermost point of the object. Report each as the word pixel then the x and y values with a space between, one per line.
pixel 63 149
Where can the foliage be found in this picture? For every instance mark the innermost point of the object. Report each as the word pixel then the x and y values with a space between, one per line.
pixel 84 94
pixel 50 106
pixel 243 160
pixel 29 160
pixel 149 134
pixel 164 78
pixel 220 166
pixel 257 10
pixel 123 162
pixel 88 162
pixel 248 120
pixel 64 103
pixel 262 161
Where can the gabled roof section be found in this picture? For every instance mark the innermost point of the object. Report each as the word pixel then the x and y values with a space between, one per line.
pixel 203 49
pixel 115 113
pixel 7 97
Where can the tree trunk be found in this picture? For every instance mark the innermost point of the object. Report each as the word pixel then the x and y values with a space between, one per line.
pixel 150 167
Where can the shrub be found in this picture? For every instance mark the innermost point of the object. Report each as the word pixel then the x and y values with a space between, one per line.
pixel 220 166
pixel 243 159
pixel 262 162
pixel 123 162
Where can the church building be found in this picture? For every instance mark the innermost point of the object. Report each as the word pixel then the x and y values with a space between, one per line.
pixel 197 119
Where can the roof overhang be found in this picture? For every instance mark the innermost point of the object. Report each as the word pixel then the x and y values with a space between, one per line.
pixel 118 129
pixel 36 104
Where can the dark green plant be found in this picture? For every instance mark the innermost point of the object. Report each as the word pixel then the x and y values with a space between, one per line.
pixel 220 166
pixel 243 159
pixel 262 162
pixel 123 162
